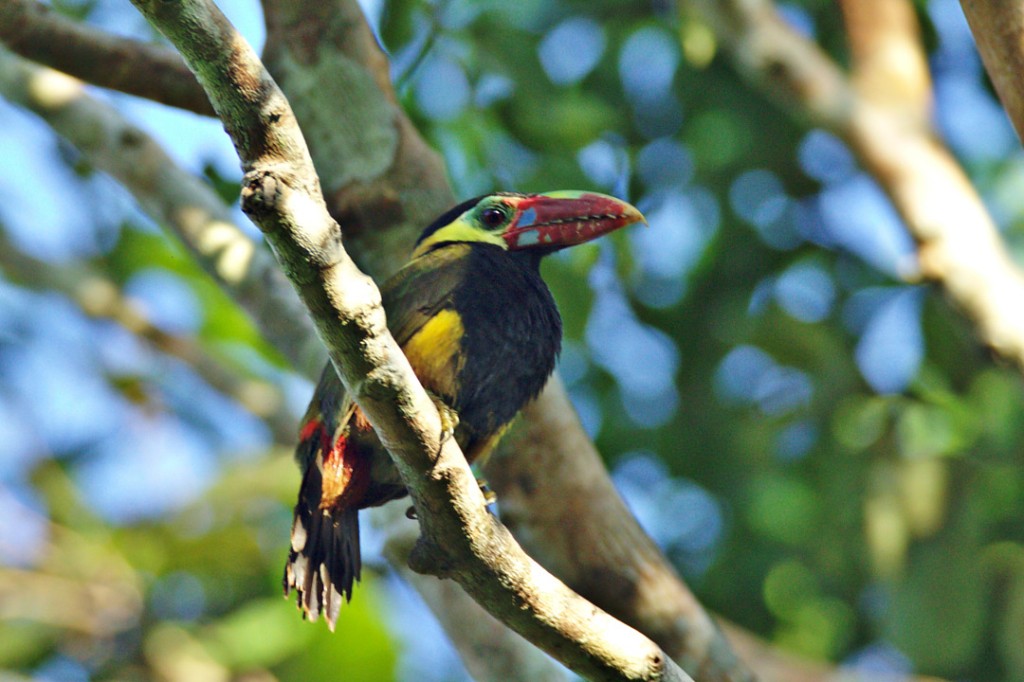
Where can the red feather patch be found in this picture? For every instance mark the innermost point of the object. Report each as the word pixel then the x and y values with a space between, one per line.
pixel 345 471
pixel 309 428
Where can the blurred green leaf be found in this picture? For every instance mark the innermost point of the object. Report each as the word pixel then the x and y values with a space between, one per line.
pixel 925 431
pixel 819 629
pixel 938 612
pixel 783 509
pixel 859 421
pixel 26 644
pixel 788 587
pixel 261 633
pixel 360 648
pixel 565 123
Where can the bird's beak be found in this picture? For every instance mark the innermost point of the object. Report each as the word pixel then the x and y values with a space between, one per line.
pixel 559 219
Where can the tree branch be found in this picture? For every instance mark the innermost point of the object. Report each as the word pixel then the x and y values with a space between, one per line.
pixel 998 29
pixel 890 67
pixel 459 538
pixel 959 247
pixel 37 32
pixel 173 197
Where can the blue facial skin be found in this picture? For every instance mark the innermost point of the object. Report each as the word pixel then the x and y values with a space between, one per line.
pixel 528 238
pixel 527 218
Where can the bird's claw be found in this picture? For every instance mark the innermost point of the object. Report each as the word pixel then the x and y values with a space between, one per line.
pixel 490 497
pixel 449 418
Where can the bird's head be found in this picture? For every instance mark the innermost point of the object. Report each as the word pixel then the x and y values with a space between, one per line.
pixel 539 223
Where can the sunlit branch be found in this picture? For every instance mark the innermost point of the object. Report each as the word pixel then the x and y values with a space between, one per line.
pixel 38 32
pixel 959 247
pixel 174 198
pixel 460 539
pixel 889 66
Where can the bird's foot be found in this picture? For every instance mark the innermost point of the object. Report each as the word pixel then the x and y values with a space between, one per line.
pixel 449 417
pixel 490 497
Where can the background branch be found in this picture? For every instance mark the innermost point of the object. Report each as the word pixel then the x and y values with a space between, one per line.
pixel 175 198
pixel 959 247
pixel 38 32
pixel 889 65
pixel 100 298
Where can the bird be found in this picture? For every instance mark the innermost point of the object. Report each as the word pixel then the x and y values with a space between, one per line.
pixel 482 333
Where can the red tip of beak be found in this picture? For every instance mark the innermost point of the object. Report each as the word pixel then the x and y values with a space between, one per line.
pixel 559 219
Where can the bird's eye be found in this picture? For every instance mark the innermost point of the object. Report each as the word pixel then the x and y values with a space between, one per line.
pixel 492 217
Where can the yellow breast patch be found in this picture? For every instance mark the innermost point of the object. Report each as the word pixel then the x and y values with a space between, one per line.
pixel 434 353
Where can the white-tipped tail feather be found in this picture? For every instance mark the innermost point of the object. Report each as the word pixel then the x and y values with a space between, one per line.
pixel 324 561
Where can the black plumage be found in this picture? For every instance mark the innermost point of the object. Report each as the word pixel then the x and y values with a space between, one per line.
pixel 482 332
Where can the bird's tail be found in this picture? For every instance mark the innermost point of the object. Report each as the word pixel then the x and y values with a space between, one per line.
pixel 324 561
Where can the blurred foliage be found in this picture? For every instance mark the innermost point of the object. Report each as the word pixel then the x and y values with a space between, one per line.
pixel 821 446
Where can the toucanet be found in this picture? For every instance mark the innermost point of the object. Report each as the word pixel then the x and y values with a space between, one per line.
pixel 481 331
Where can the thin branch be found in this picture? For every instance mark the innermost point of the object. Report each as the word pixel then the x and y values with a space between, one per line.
pixel 998 29
pixel 460 539
pixel 101 298
pixel 959 247
pixel 890 67
pixel 174 198
pixel 37 32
